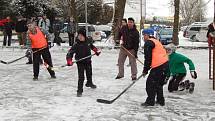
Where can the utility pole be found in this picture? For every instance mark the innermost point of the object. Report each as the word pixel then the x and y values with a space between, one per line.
pixel 142 14
pixel 86 23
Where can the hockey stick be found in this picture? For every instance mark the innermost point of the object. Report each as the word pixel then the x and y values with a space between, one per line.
pixel 52 68
pixel 4 62
pixel 131 54
pixel 111 101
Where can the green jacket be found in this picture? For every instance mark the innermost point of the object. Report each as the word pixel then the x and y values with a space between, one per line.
pixel 176 63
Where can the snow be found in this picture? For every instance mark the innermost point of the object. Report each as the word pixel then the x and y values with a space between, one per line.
pixel 22 99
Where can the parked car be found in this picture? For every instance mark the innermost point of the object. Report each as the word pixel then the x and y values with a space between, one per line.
pixel 193 29
pixel 201 35
pixel 165 35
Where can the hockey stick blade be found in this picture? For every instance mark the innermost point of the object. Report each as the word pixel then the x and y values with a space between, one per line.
pixel 104 101
pixel 3 62
pixel 111 101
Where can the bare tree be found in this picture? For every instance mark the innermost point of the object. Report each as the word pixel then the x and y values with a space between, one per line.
pixel 192 10
pixel 118 15
pixel 176 22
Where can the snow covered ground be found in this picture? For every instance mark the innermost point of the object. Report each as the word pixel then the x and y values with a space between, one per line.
pixel 22 99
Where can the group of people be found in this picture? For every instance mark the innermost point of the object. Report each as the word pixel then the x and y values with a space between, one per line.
pixel 20 27
pixel 160 64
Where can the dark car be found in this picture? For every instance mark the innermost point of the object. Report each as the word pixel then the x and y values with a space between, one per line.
pixel 165 35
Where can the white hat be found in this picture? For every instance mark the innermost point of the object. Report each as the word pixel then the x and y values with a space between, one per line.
pixel 170 47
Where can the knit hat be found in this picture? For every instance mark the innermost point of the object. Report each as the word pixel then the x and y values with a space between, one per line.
pixel 149 32
pixel 170 47
pixel 82 31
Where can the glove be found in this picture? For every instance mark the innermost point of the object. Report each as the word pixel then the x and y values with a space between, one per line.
pixel 97 51
pixel 193 74
pixel 69 62
pixel 28 53
pixel 144 73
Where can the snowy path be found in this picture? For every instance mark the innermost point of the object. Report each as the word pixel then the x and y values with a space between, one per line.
pixel 22 99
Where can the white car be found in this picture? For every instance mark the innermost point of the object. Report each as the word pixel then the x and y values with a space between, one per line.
pixel 201 35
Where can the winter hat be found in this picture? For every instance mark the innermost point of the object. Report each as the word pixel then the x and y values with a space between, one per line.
pixel 82 31
pixel 170 47
pixel 149 32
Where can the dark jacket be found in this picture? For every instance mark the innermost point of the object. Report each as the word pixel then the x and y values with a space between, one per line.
pixel 130 38
pixel 8 26
pixel 81 50
pixel 57 25
pixel 21 26
pixel 148 47
pixel 210 29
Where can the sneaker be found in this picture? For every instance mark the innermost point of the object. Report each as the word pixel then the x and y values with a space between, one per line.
pixel 181 86
pixel 191 89
pixel 79 94
pixel 91 85
pixel 187 84
pixel 119 77
pixel 35 78
pixel 146 104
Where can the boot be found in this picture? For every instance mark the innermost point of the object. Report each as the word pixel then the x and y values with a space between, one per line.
pixel 35 78
pixel 191 89
pixel 79 94
pixel 91 85
pixel 187 84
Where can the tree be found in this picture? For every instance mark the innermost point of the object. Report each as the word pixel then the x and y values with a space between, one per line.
pixel 176 22
pixel 118 16
pixel 5 8
pixel 106 15
pixel 192 10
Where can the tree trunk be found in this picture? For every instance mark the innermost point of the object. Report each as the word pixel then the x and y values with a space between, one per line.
pixel 176 23
pixel 73 12
pixel 118 16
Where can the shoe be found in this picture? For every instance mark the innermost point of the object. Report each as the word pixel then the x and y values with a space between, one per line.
pixel 91 85
pixel 79 94
pixel 160 103
pixel 146 104
pixel 181 86
pixel 187 84
pixel 191 89
pixel 29 62
pixel 53 77
pixel 119 77
pixel 35 78
pixel 134 78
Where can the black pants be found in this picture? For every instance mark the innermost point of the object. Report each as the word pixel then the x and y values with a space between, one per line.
pixel 57 38
pixel 174 82
pixel 154 84
pixel 7 38
pixel 36 60
pixel 71 39
pixel 81 68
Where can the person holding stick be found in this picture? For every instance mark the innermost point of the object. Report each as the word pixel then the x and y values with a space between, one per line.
pixel 37 37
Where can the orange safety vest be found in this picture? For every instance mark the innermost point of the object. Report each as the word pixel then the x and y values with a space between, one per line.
pixel 159 55
pixel 38 40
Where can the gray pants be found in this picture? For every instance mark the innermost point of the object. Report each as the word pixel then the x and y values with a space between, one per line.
pixel 121 60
